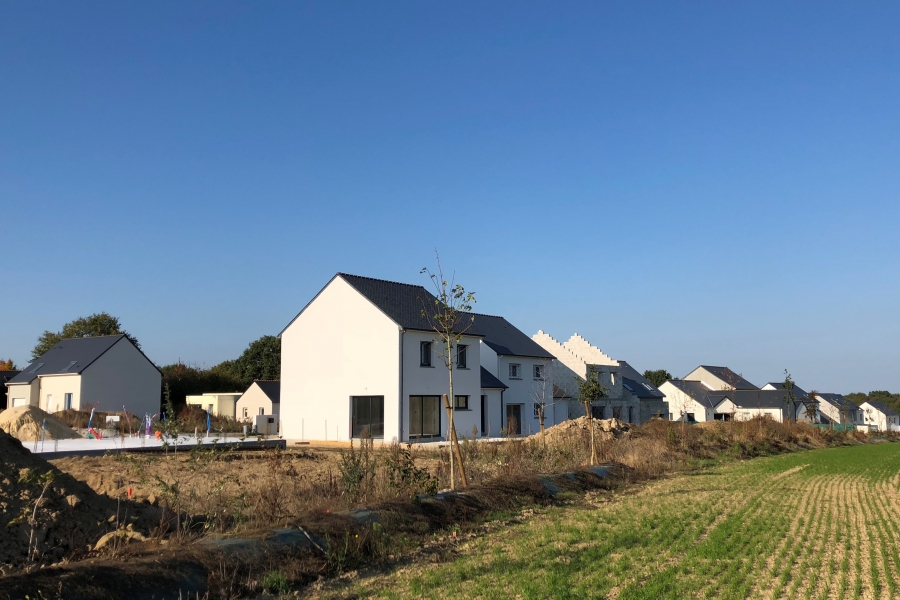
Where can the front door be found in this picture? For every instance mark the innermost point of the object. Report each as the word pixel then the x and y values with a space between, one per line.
pixel 513 419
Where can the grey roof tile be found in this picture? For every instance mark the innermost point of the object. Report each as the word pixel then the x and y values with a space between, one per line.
pixel 57 360
pixel 489 382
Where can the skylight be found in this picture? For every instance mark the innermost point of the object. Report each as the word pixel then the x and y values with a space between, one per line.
pixel 36 367
pixel 68 366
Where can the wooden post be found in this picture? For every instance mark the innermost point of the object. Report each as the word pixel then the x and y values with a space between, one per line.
pixel 454 442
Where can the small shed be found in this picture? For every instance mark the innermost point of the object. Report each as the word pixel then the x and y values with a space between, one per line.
pixel 263 397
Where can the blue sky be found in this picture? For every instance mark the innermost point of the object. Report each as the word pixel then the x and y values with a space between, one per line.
pixel 682 184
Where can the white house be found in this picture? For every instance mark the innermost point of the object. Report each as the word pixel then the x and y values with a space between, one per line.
pixel 107 372
pixel 574 360
pixel 263 397
pixel 695 402
pixel 879 416
pixel 805 408
pixel 719 378
pixel 834 408
pixel 362 359
pixel 221 404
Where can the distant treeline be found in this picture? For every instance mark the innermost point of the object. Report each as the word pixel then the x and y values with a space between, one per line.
pixel 892 400
pixel 261 360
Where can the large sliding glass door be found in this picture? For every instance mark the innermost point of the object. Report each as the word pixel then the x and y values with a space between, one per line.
pixel 424 416
pixel 367 416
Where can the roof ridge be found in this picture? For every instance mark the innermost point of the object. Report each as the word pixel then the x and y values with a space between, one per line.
pixel 92 337
pixel 381 280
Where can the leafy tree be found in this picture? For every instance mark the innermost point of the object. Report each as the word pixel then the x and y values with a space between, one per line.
pixel 657 377
pixel 8 365
pixel 448 315
pixel 261 360
pixel 183 380
pixel 892 400
pixel 93 326
pixel 590 391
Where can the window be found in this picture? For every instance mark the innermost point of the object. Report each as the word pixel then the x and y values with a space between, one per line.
pixel 690 417
pixel 612 378
pixel 483 414
pixel 424 416
pixel 537 410
pixel 49 406
pixel 425 354
pixel 209 408
pixel 367 418
pixel 631 414
pixel 617 412
pixel 462 356
pixel 245 412
pixel 538 371
pixel 67 401
pixel 261 410
pixel 461 402
pixel 515 371
pixel 36 367
pixel 68 366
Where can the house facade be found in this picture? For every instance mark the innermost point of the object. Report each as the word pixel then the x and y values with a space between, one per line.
pixel 878 416
pixel 693 401
pixel 261 398
pixel 834 408
pixel 651 400
pixel 106 372
pixel 719 378
pixel 361 359
pixel 806 408
pixel 5 376
pixel 576 358
pixel 220 404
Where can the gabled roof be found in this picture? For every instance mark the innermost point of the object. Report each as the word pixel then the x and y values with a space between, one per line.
pixel 637 384
pixel 68 357
pixel 751 399
pixel 272 389
pixel 560 393
pixel 882 407
pixel 504 338
pixel 489 382
pixel 699 392
pixel 726 375
pixel 779 385
pixel 7 376
pixel 838 400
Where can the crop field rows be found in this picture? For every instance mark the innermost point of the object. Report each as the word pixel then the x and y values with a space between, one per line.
pixel 815 525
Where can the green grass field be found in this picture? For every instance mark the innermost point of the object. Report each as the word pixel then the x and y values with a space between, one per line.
pixel 819 524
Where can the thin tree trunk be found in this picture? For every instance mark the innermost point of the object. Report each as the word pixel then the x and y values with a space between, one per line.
pixel 449 406
pixel 590 417
pixel 454 446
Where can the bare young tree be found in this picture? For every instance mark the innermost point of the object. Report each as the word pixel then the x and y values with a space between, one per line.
pixel 449 315
pixel 590 391
pixel 790 399
pixel 542 391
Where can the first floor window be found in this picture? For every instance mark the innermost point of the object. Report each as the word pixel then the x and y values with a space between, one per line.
pixel 461 402
pixel 537 410
pixel 425 354
pixel 424 416
pixel 515 371
pixel 462 359
pixel 367 416
pixel 538 371
pixel 261 409
pixel 245 412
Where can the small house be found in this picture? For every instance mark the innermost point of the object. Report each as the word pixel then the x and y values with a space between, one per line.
pixel 220 404
pixel 261 398
pixel 879 416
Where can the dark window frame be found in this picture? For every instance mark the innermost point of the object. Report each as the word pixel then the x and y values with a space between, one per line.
pixel 518 371
pixel 462 356
pixel 456 402
pixel 421 398
pixel 367 406
pixel 425 353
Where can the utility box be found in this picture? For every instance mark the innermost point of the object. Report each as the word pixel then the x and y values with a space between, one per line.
pixel 266 424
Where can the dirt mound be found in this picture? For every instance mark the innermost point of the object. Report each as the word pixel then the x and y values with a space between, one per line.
pixel 46 515
pixel 24 423
pixel 604 429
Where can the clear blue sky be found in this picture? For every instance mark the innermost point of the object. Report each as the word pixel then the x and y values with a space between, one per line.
pixel 681 183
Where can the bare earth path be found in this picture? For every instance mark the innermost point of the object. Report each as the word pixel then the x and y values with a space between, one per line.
pixel 814 525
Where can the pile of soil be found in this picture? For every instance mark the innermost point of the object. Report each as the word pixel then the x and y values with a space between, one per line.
pixel 54 513
pixel 604 429
pixel 24 423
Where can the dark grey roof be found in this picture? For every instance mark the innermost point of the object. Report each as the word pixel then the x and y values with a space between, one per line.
pixel 881 406
pixel 504 338
pixel 559 392
pixel 838 400
pixel 7 376
pixel 57 360
pixel 638 384
pixel 726 375
pixel 699 392
pixel 489 382
pixel 758 398
pixel 270 388
pixel 798 391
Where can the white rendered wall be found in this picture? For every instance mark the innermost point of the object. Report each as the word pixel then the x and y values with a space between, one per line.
pixel 342 345
pixel 493 415
pixel 57 386
pixel 254 399
pixel 745 414
pixel 678 401
pixel 711 381
pixel 435 381
pixel 122 376
pixel 27 391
